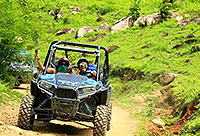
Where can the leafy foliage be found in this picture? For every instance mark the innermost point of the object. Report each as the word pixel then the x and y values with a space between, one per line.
pixel 6 94
pixel 135 10
pixel 165 7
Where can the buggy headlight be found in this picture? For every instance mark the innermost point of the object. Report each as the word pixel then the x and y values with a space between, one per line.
pixel 45 85
pixel 83 91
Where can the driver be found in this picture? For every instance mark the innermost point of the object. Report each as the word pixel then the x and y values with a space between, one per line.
pixel 62 67
pixel 83 66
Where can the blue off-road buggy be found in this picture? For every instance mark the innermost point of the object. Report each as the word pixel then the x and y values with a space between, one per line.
pixel 70 97
pixel 23 66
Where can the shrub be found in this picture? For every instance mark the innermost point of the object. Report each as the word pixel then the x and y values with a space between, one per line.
pixel 101 9
pixel 135 10
pixel 16 29
pixel 165 7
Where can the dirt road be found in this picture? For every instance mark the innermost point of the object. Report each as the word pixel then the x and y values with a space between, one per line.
pixel 122 124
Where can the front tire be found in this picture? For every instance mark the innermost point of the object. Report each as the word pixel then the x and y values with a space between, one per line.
pixel 109 115
pixel 100 121
pixel 26 114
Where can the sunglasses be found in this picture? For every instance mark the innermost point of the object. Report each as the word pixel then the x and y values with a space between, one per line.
pixel 83 64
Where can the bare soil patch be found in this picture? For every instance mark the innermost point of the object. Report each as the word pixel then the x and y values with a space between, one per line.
pixel 122 124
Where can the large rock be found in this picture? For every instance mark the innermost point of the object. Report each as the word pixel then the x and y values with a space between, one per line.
pixel 18 39
pixel 58 14
pixel 65 31
pixel 167 97
pixel 103 27
pixel 75 9
pixel 167 78
pixel 176 16
pixel 99 36
pixel 122 24
pixel 112 48
pixel 197 20
pixel 148 20
pixel 83 30
pixel 184 22
pixel 159 122
pixel 139 98
pixel 99 19
pixel 51 12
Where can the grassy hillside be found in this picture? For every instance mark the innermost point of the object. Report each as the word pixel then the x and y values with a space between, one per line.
pixel 144 53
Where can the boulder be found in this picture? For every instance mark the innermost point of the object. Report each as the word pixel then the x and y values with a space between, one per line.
pixel 75 9
pixel 139 98
pixel 51 12
pixel 18 39
pixel 190 41
pixel 103 27
pixel 184 22
pixel 65 31
pixel 176 16
pixel 99 19
pixel 146 46
pixel 83 30
pixel 167 97
pixel 197 20
pixel 167 78
pixel 112 48
pixel 188 61
pixel 74 12
pixel 148 20
pixel 159 122
pixel 58 15
pixel 99 36
pixel 165 34
pixel 122 24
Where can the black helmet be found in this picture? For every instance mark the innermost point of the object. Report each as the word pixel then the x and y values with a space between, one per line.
pixel 82 60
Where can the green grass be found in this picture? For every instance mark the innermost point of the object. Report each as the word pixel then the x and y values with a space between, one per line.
pixel 6 94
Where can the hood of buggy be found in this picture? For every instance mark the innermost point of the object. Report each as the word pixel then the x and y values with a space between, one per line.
pixel 65 79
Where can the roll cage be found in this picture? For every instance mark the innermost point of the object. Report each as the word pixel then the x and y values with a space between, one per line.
pixel 56 46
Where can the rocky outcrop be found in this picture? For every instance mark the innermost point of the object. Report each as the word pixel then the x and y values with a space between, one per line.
pixel 167 78
pixel 58 14
pixel 99 36
pixel 166 98
pixel 197 20
pixel 75 9
pixel 83 30
pixel 99 19
pixel 112 48
pixel 65 31
pixel 18 39
pixel 138 98
pixel 155 19
pixel 176 16
pixel 184 22
pixel 122 24
pixel 51 12
pixel 158 121
pixel 148 20
pixel 103 27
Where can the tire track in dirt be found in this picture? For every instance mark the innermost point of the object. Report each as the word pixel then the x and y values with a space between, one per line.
pixel 122 124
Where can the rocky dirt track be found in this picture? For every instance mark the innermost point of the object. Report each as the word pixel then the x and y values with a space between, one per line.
pixel 122 124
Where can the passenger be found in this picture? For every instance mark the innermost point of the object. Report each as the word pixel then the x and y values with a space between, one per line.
pixel 63 66
pixel 83 66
